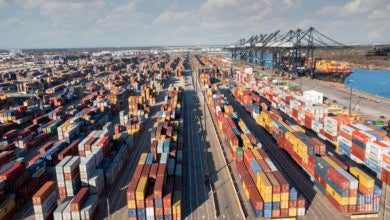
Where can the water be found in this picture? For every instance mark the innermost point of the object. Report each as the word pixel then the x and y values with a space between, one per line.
pixel 372 81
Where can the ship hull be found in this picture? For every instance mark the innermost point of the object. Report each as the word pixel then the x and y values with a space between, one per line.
pixel 338 77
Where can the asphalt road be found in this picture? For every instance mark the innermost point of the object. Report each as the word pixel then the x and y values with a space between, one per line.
pixel 318 207
pixel 197 203
pixel 227 204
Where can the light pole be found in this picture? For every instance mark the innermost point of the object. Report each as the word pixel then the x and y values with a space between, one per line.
pixel 350 95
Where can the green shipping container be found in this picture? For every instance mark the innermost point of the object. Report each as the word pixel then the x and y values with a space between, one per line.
pixel 378 123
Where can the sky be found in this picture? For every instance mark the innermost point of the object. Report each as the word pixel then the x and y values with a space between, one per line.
pixel 119 23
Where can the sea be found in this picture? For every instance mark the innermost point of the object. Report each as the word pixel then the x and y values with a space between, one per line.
pixel 376 82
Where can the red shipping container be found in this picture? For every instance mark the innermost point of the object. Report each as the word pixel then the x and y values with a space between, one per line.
pixel 248 157
pixel 275 213
pixel 339 179
pixel 365 191
pixel 62 190
pixel 161 170
pixel 12 172
pixel 6 156
pixel 146 170
pixel 89 143
pixel 283 213
pixel 301 202
pixel 358 152
pixel 153 172
pixel 263 154
pixel 340 208
pixel 43 193
pixel 140 204
pixel 158 211
pixel 46 147
pixel 70 176
pixel 168 191
pixel 264 166
pixel 255 197
pixel 158 188
pixel 167 210
pixel 274 182
pixel 292 203
pixel 338 162
pixel 22 179
pixel 352 192
pixel 351 208
pixel 284 185
pixel 79 199
pixel 130 195
pixel 360 136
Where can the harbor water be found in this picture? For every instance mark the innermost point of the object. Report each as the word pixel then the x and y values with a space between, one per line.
pixel 376 82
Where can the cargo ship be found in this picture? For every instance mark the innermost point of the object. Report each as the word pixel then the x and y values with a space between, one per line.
pixel 331 70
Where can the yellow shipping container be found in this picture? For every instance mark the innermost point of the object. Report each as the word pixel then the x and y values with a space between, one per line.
pixel 330 162
pixel 256 153
pixel 266 197
pixel 276 197
pixel 352 200
pixel 245 141
pixel 141 188
pixel 336 196
pixel 131 204
pixel 264 184
pixel 363 178
pixel 285 196
pixel 176 204
pixel 292 212
pixel 284 204
pixel 142 158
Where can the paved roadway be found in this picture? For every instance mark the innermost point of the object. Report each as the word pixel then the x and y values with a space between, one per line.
pixel 318 206
pixel 227 204
pixel 197 200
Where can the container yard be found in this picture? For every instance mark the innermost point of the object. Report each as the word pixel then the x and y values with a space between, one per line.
pixel 166 136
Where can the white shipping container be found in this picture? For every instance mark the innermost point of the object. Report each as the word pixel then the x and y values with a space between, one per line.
pixel 60 166
pixel 316 125
pixel 149 213
pixel 58 212
pixel 72 164
pixel 164 158
pixel 344 141
pixel 75 215
pixel 362 127
pixel 48 205
pixel 88 164
pixel 347 129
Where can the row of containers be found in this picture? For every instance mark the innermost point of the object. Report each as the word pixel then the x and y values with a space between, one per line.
pixel 155 189
pixel 80 130
pixel 268 192
pixel 362 140
pixel 349 189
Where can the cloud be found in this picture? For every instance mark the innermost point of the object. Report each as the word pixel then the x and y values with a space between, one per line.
pixel 7 23
pixel 2 3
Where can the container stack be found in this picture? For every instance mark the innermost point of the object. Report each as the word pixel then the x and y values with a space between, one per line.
pixel 154 191
pixel 330 175
pixel 337 129
pixel 45 201
pixel 68 176
pixel 265 187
